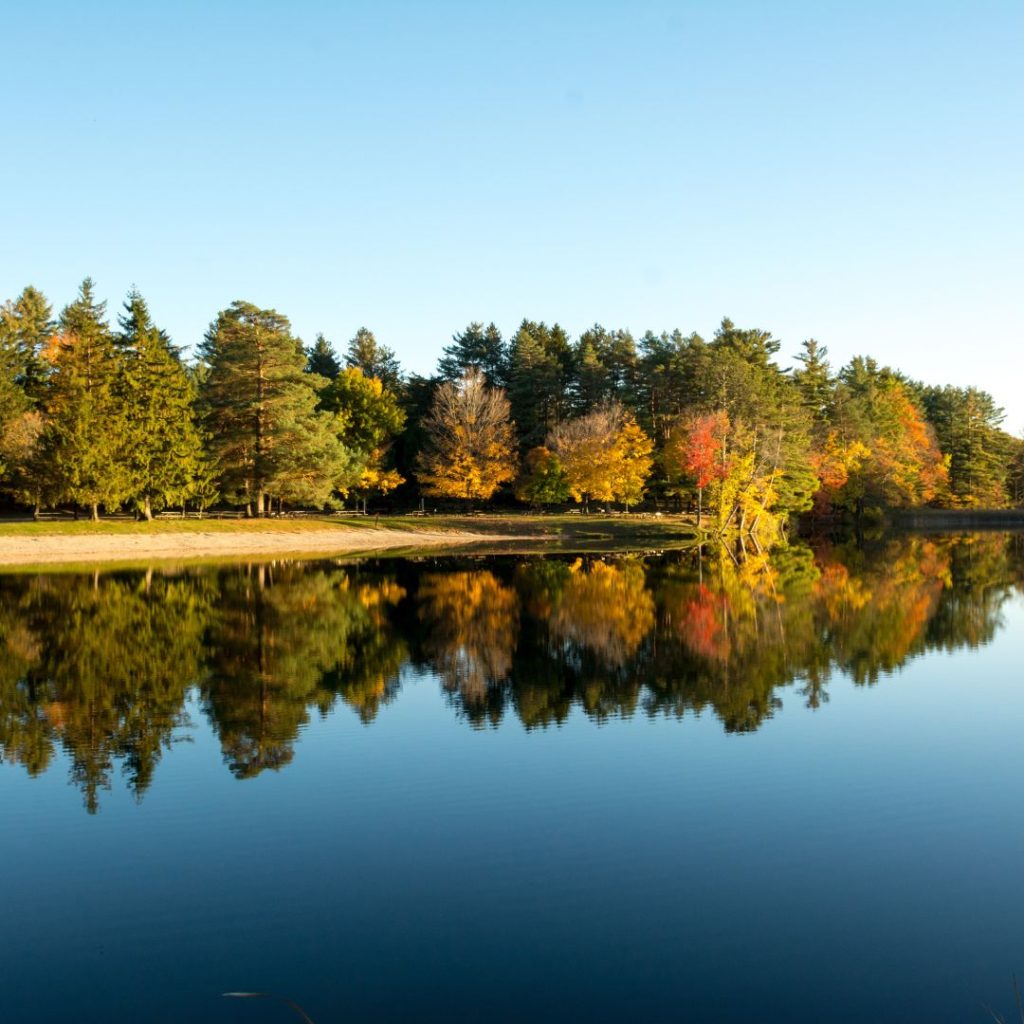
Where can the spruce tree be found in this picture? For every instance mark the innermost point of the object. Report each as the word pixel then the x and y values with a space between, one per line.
pixel 85 441
pixel 26 327
pixel 259 409
pixel 164 450
pixel 321 360
pixel 375 360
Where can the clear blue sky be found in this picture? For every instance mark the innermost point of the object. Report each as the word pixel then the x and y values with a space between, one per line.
pixel 848 171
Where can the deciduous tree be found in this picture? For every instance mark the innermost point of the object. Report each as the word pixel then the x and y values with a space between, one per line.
pixel 604 454
pixel 368 418
pixel 471 446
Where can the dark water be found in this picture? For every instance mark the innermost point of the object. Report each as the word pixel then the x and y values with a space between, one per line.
pixel 518 789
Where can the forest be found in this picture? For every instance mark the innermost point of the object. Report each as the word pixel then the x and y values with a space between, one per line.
pixel 99 417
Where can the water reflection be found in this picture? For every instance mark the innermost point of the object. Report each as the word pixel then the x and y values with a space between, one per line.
pixel 101 666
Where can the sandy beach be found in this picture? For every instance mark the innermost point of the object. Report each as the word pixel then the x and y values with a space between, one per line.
pixel 112 547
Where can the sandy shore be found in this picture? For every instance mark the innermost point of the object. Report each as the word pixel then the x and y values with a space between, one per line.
pixel 135 547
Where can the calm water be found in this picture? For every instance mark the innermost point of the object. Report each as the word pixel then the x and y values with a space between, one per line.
pixel 518 789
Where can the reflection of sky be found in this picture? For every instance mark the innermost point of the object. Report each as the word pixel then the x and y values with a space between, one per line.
pixel 847 171
pixel 855 863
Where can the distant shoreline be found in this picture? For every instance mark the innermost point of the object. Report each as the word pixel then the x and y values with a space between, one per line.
pixel 957 518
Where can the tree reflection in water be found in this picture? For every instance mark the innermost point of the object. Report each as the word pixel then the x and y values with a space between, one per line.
pixel 101 666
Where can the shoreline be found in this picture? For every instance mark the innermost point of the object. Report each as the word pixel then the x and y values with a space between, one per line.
pixel 56 549
pixel 26 544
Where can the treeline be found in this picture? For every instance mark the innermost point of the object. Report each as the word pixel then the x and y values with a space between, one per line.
pixel 95 416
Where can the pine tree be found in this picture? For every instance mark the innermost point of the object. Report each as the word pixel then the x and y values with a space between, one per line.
pixel 539 360
pixel 477 347
pixel 590 384
pixel 375 360
pixel 967 427
pixel 259 411
pixel 815 384
pixel 164 448
pixel 85 441
pixel 321 360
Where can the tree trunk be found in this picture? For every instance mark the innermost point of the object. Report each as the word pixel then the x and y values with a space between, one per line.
pixel 147 509
pixel 700 505
pixel 94 512
pixel 259 503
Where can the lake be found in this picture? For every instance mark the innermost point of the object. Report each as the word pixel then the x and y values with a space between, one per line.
pixel 541 788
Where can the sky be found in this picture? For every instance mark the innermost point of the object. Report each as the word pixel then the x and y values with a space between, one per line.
pixel 848 172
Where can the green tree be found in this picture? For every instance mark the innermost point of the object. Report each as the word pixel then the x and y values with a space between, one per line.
pixel 542 480
pixel 260 412
pixel 321 359
pixel 477 347
pixel 26 329
pixel 164 449
pixel 375 360
pixel 85 444
pixel 967 425
pixel 368 417
pixel 540 359
pixel 815 384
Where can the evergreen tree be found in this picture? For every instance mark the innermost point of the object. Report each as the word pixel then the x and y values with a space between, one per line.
pixel 655 400
pixel 753 345
pixel 375 360
pixel 321 360
pixel 539 362
pixel 26 328
pixel 815 384
pixel 259 410
pixel 85 441
pixel 477 347
pixel 164 449
pixel 590 385
pixel 967 427
pixel 13 404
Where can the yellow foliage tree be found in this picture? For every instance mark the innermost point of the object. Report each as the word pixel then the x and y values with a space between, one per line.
pixel 471 444
pixel 605 455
